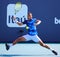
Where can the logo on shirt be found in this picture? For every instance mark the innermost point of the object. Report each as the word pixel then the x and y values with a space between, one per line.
pixel 20 16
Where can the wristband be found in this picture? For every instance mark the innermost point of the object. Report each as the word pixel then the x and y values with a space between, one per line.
pixel 38 23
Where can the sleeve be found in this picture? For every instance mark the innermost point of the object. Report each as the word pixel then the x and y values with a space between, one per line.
pixel 35 20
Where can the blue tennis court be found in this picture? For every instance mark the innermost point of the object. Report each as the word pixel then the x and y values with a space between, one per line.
pixel 28 50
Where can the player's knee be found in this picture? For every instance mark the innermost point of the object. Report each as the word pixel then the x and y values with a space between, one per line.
pixel 22 39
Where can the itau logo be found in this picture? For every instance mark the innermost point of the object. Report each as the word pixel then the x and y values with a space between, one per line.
pixel 20 16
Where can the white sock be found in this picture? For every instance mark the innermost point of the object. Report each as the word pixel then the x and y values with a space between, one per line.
pixel 10 45
pixel 51 49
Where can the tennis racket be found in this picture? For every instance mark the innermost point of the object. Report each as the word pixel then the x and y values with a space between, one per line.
pixel 18 6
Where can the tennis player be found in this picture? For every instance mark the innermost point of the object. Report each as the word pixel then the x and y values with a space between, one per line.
pixel 32 33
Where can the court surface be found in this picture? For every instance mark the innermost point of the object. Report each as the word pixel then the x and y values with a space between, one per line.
pixel 28 50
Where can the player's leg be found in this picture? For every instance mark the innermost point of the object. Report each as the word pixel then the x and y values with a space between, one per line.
pixel 37 39
pixel 19 39
pixel 43 44
pixel 23 38
pixel 46 46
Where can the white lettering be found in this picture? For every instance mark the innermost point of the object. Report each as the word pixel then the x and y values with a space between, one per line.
pixel 56 20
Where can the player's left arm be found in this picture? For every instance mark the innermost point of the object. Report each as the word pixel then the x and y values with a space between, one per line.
pixel 38 22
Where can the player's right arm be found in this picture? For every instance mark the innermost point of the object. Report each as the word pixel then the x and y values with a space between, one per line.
pixel 17 22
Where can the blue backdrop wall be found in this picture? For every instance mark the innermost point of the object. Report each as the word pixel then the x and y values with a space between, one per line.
pixel 48 11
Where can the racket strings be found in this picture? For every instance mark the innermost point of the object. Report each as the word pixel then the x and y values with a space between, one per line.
pixel 18 6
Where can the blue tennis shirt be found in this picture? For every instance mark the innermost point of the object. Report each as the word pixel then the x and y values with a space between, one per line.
pixel 32 28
